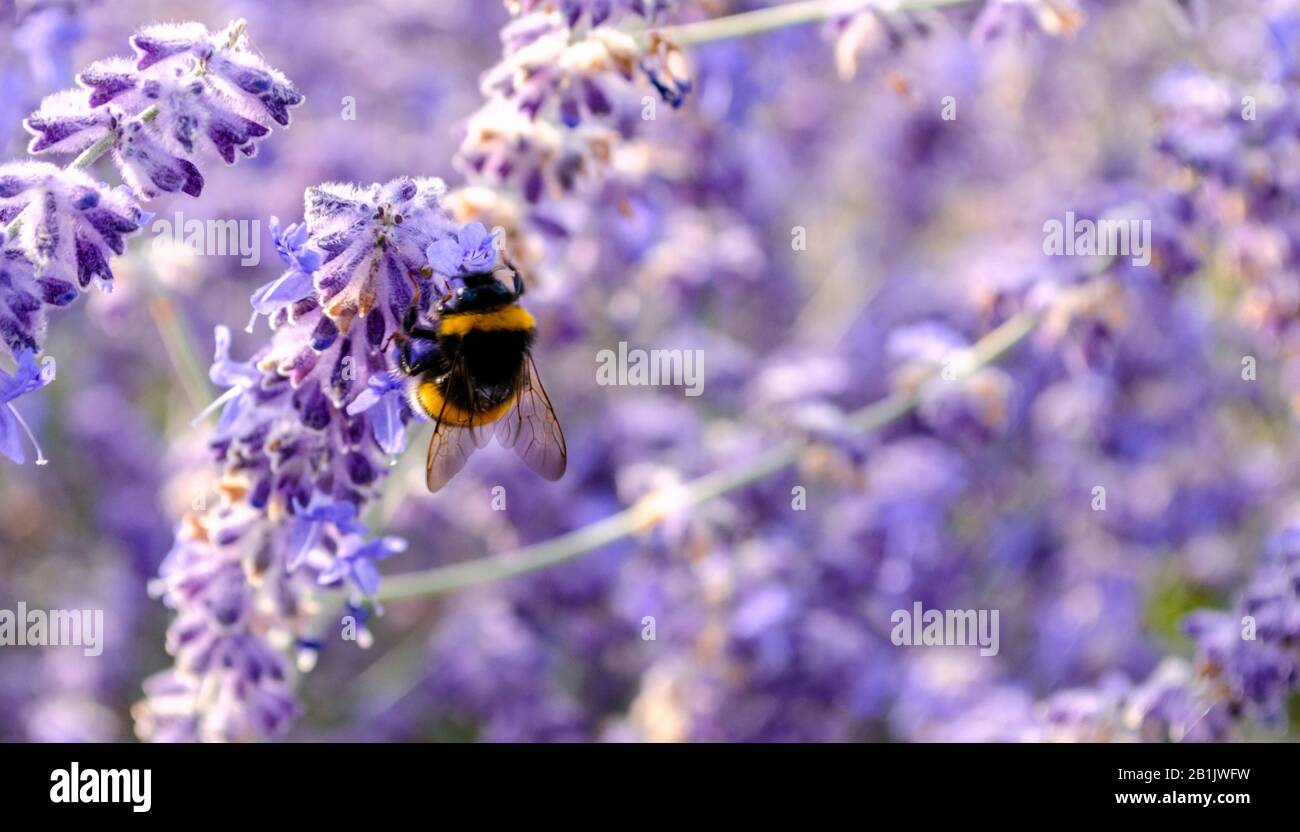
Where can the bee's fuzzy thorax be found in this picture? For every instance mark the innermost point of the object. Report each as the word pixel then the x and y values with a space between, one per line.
pixel 511 317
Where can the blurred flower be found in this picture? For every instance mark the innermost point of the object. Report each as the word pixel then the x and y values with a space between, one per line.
pixel 1016 19
pixel 594 12
pixel 560 99
pixel 46 36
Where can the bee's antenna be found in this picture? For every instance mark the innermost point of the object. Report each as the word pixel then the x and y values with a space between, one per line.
pixel 518 278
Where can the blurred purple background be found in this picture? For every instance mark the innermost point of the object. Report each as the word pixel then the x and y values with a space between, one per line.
pixel 922 233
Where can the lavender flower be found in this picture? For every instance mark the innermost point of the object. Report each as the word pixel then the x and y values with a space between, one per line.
pixel 594 12
pixel 473 251
pixel 561 98
pixel 880 29
pixel 70 227
pixel 307 426
pixel 386 395
pixel 357 563
pixel 1019 19
pixel 296 283
pixel 187 89
pixel 98 216
pixel 1244 671
pixel 27 378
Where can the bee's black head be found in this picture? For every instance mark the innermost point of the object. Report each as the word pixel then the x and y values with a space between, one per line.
pixel 477 292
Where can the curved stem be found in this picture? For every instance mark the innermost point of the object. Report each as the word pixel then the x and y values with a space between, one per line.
pixel 779 17
pixel 646 513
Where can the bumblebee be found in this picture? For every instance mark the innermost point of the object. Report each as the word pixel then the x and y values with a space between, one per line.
pixel 473 374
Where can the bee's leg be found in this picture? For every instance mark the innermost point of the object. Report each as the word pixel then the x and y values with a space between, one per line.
pixel 415 283
pixel 416 366
pixel 397 335
pixel 411 323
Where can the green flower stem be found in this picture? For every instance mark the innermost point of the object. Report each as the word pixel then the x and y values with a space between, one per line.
pixel 181 351
pixel 776 17
pixel 642 516
pixel 84 160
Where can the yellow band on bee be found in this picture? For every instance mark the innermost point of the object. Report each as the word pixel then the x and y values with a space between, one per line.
pixel 511 317
pixel 432 401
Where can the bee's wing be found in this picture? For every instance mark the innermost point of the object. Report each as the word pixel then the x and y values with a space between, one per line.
pixel 450 446
pixel 449 450
pixel 532 429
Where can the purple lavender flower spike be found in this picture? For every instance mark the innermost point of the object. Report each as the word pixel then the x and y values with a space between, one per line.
pixel 189 93
pixel 308 427
pixel 378 233
pixel 234 68
pixel 566 91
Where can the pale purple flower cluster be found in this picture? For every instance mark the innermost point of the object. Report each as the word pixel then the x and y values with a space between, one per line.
pixel 880 30
pixel 568 88
pixel 188 93
pixel 307 428
pixel 69 227
pixel 1228 144
pixel 1244 672
pixel 594 12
